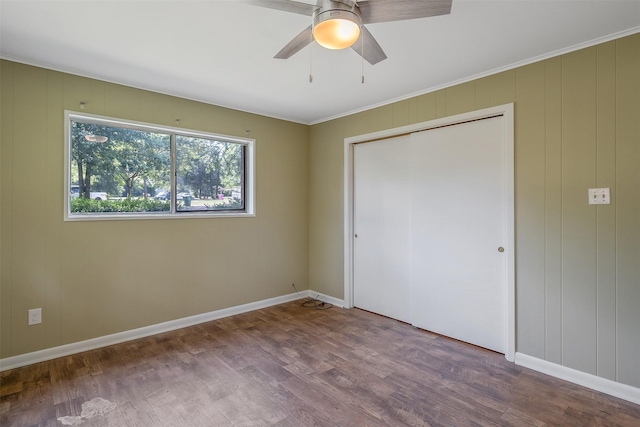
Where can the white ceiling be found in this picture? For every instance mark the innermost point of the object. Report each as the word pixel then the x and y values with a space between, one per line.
pixel 221 52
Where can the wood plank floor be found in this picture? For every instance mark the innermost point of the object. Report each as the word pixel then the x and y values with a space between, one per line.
pixel 294 366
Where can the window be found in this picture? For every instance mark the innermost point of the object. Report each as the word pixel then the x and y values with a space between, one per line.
pixel 121 169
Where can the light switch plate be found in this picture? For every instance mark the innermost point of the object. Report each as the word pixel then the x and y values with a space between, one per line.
pixel 599 196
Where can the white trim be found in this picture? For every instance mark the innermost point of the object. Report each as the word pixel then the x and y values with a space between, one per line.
pixel 104 78
pixel 622 391
pixel 603 385
pixel 507 112
pixel 134 334
pixel 135 85
pixel 336 302
pixel 492 72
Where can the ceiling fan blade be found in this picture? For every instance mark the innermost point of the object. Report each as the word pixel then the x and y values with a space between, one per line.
pixel 286 5
pixel 349 3
pixel 296 44
pixel 372 51
pixel 372 11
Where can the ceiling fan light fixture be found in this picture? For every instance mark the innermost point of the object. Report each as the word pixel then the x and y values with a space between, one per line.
pixel 336 29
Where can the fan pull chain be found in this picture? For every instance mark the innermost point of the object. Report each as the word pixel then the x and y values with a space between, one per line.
pixel 353 9
pixel 362 55
pixel 311 58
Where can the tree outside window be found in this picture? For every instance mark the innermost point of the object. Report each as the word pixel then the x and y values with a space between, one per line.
pixel 117 168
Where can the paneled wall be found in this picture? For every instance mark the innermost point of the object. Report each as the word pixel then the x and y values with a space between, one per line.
pixel 577 126
pixel 578 266
pixel 101 277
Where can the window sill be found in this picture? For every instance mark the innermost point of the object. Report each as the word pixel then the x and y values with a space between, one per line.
pixel 157 216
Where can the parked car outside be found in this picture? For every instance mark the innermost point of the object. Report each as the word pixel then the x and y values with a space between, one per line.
pixel 95 195
pixel 184 195
pixel 163 195
pixel 166 195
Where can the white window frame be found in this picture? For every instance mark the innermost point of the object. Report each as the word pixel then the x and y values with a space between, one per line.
pixel 249 177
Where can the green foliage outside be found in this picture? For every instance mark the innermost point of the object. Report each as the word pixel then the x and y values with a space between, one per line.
pixel 208 167
pixel 118 164
pixel 232 204
pixel 84 205
pixel 136 164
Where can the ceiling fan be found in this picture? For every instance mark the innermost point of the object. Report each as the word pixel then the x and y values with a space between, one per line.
pixel 338 24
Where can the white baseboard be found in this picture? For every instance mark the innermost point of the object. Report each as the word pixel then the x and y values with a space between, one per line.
pixel 622 391
pixel 91 344
pixel 326 298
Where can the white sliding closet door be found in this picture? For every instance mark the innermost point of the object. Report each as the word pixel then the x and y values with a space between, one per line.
pixel 430 216
pixel 459 210
pixel 382 248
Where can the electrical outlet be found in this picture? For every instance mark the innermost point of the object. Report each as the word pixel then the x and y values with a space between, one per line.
pixel 35 316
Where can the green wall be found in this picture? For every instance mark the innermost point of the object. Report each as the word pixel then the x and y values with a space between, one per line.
pixel 577 126
pixel 101 277
pixel 578 266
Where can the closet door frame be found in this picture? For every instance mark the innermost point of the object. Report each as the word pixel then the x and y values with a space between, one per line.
pixel 507 112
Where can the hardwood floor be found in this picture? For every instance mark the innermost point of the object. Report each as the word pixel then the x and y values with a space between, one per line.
pixel 294 366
